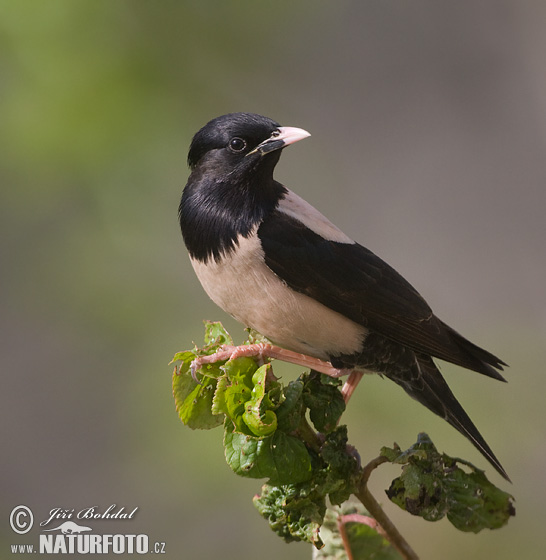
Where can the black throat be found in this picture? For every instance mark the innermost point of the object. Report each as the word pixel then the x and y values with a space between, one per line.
pixel 215 211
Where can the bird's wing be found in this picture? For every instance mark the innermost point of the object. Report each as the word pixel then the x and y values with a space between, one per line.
pixel 350 279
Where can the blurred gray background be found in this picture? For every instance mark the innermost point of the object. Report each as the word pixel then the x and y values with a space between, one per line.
pixel 428 146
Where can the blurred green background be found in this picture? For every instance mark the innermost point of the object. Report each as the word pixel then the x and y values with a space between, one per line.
pixel 428 146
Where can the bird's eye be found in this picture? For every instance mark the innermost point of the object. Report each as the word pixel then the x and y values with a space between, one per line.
pixel 237 144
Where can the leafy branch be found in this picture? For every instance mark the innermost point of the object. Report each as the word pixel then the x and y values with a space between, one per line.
pixel 291 436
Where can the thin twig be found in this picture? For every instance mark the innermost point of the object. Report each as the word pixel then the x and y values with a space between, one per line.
pixel 376 511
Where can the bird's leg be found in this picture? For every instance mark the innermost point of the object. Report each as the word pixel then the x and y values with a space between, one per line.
pixel 262 350
pixel 351 384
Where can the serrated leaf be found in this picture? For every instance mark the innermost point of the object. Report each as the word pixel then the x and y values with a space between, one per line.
pixel 342 466
pixel 238 390
pixel 216 334
pixel 422 449
pixel 254 337
pixel 218 401
pixel 292 511
pixel 289 413
pixel 325 403
pixel 193 402
pixel 334 548
pixel 240 370
pixel 281 458
pixel 420 493
pixel 186 358
pixel 259 415
pixel 475 503
pixel 432 486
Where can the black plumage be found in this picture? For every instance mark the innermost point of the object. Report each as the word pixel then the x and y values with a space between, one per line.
pixel 373 294
pixel 276 264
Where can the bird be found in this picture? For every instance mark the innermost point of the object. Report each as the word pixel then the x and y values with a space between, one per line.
pixel 277 265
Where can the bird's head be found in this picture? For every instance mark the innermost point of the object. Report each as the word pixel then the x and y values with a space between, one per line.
pixel 240 142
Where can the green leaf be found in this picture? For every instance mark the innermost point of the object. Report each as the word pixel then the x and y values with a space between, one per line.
pixel 292 511
pixel 194 402
pixel 291 410
pixel 240 370
pixel 432 486
pixel 249 397
pixel 237 391
pixel 216 334
pixel 342 466
pixel 281 458
pixel 420 493
pixel 254 337
pixel 366 542
pixel 186 358
pixel 259 415
pixel 325 403
pixel 475 503
pixel 219 405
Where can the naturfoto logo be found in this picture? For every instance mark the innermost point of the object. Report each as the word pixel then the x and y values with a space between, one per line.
pixel 70 528
pixel 64 535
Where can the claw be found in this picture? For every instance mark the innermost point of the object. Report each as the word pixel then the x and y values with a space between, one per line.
pixel 194 366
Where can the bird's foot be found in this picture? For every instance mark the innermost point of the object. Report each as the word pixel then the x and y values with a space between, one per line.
pixel 267 351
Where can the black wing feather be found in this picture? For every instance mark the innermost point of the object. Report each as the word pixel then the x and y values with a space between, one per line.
pixel 353 281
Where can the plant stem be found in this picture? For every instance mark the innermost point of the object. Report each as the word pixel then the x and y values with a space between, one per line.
pixel 308 435
pixel 376 511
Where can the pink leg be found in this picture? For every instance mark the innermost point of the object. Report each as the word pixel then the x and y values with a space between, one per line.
pixel 262 350
pixel 351 384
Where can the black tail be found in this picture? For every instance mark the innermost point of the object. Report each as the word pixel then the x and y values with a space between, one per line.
pixel 432 391
pixel 468 355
